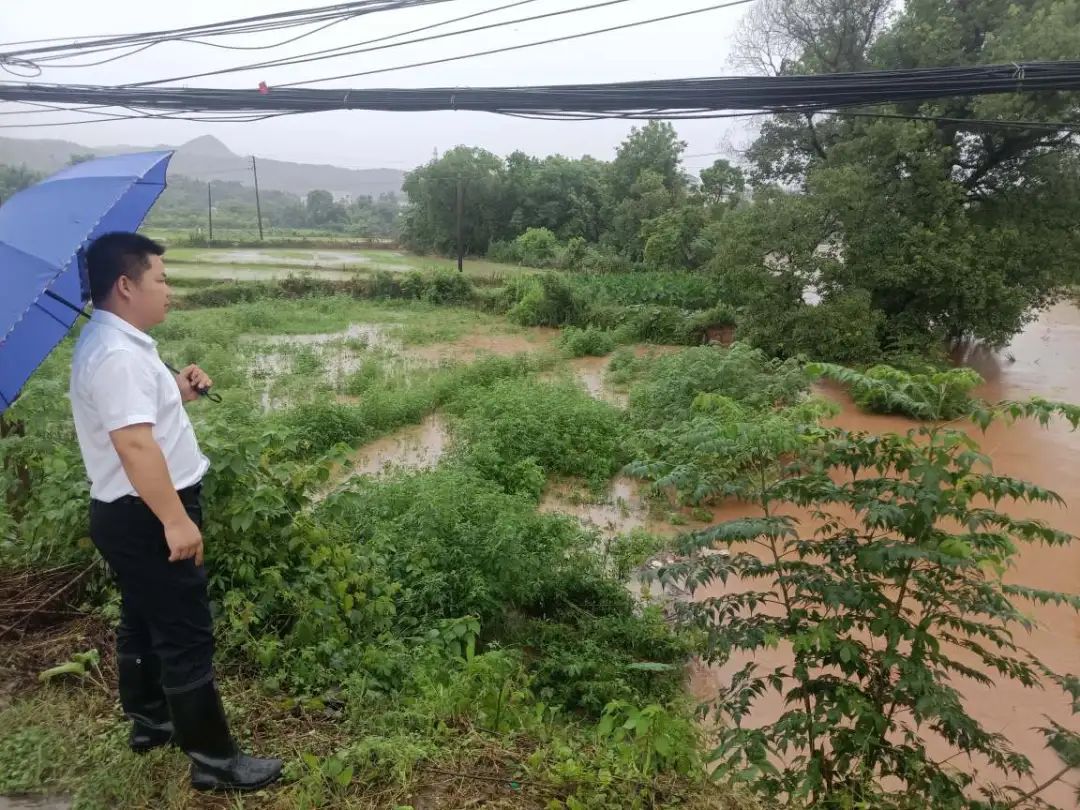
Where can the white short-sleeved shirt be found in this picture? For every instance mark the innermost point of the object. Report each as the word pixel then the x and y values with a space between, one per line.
pixel 118 379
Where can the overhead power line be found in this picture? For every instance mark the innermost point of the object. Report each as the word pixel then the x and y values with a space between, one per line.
pixel 666 99
pixel 66 47
pixel 509 48
pixel 360 47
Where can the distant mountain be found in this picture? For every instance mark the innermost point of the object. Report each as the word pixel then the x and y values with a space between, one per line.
pixel 207 158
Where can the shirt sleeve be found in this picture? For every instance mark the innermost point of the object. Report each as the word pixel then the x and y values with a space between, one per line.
pixel 123 392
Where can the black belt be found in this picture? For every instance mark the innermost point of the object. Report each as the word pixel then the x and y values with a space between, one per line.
pixel 185 493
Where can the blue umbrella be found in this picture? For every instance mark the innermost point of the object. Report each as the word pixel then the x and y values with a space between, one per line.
pixel 43 232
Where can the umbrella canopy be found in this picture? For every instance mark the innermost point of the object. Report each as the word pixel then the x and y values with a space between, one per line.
pixel 43 231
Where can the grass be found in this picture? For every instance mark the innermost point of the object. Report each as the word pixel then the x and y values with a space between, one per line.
pixel 419 752
pixel 377 705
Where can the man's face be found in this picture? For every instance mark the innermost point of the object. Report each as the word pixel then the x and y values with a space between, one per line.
pixel 150 294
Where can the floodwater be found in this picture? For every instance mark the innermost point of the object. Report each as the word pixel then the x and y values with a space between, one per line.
pixel 301 258
pixel 1042 361
pixel 591 372
pixel 372 335
pixel 225 272
pixel 416 447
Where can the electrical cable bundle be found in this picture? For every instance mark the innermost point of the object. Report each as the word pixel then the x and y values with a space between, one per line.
pixel 667 98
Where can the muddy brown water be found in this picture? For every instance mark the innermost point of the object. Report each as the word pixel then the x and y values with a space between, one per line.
pixel 416 447
pixel 1042 361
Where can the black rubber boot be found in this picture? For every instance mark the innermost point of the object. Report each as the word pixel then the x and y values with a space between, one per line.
pixel 203 733
pixel 144 701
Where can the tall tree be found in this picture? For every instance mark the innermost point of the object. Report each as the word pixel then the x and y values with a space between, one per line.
pixel 722 181
pixel 654 147
pixel 430 222
pixel 955 228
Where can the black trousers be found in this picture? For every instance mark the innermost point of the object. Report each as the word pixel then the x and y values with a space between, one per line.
pixel 165 609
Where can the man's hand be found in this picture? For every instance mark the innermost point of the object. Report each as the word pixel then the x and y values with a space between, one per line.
pixel 191 381
pixel 185 541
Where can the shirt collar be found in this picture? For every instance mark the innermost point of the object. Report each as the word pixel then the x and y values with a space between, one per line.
pixel 105 318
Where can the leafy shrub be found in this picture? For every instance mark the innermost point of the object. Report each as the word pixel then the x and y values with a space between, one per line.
pixel 572 255
pixel 906 556
pixel 519 432
pixel 931 394
pixel 446 286
pixel 598 260
pixel 844 329
pixel 385 284
pixel 502 251
pixel 586 342
pixel 318 426
pixel 691 291
pixel 296 601
pixel 626 366
pixel 595 641
pixel 660 324
pixel 536 247
pixel 547 300
pixel 704 457
pixel 457 544
pixel 41 473
pixel 741 373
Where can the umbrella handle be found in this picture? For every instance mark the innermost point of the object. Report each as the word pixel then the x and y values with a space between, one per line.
pixel 202 392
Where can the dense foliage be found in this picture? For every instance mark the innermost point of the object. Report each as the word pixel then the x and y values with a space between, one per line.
pixel 901 234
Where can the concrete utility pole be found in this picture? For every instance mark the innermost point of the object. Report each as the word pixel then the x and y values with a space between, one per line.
pixel 460 212
pixel 258 207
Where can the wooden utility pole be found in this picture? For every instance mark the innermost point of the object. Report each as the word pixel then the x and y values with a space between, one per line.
pixel 210 211
pixel 460 213
pixel 258 207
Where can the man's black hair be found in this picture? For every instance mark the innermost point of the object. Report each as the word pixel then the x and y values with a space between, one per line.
pixel 114 255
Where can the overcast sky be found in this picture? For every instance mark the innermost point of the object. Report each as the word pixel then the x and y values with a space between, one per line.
pixel 692 46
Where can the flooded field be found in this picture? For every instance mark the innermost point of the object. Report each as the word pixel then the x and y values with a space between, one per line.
pixel 298 258
pixel 229 272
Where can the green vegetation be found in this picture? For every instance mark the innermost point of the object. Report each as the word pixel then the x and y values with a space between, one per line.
pixel 443 637
pixel 379 630
pixel 929 394
pixel 865 605
pixel 911 233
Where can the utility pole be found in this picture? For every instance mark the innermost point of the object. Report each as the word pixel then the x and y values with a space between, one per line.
pixel 460 211
pixel 210 211
pixel 258 207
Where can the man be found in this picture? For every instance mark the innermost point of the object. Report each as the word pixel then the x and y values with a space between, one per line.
pixel 145 470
